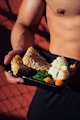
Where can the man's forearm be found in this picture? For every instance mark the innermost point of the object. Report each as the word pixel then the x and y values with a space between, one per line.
pixel 21 37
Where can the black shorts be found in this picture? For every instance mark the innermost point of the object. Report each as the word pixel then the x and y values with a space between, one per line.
pixel 47 105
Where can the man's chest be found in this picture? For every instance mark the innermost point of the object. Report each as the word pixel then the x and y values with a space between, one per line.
pixel 67 7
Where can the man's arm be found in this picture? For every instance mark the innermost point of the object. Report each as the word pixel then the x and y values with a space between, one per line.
pixel 30 14
pixel 22 36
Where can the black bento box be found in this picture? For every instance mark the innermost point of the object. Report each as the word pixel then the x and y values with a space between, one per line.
pixel 72 81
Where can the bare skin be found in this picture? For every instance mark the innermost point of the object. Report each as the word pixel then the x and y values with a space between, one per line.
pixel 64 25
pixel 63 18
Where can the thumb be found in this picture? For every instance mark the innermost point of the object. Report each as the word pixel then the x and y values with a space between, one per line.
pixel 10 55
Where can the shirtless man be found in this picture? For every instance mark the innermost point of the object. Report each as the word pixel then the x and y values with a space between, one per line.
pixel 63 19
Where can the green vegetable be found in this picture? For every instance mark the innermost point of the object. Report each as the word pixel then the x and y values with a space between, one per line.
pixel 41 74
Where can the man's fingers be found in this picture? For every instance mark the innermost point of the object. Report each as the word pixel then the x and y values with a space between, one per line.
pixel 13 79
pixel 10 55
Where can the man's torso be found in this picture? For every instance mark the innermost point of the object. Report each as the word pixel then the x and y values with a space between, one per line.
pixel 63 17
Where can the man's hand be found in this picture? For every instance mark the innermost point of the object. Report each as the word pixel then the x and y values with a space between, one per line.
pixel 13 79
pixel 7 60
pixel 10 55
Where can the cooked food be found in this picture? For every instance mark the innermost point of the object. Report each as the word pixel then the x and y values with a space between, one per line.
pixel 17 59
pixel 31 60
pixel 17 66
pixel 59 82
pixel 34 60
pixel 59 69
pixel 48 80
pixel 40 75
pixel 60 62
pixel 36 66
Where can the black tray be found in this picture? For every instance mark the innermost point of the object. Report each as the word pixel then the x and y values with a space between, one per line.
pixel 73 79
